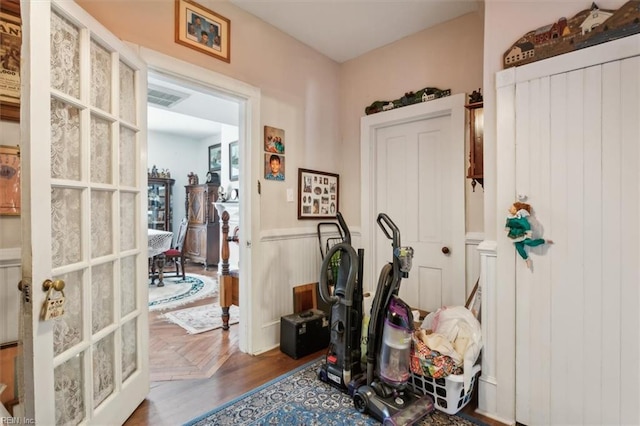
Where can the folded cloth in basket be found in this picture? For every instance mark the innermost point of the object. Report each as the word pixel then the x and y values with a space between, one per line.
pixel 461 328
pixel 426 361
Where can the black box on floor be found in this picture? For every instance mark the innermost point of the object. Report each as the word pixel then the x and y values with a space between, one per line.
pixel 304 333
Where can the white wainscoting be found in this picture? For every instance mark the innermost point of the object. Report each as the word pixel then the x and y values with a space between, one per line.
pixel 281 274
pixel 10 273
pixel 472 273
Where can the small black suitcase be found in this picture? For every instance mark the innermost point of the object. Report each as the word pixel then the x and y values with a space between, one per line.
pixel 304 333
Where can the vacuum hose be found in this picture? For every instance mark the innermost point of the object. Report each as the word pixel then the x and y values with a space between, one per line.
pixel 351 277
pixel 347 298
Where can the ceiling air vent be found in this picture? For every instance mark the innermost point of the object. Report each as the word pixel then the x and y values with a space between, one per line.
pixel 167 98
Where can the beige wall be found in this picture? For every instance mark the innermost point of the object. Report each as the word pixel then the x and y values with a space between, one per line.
pixel 447 56
pixel 299 86
pixel 318 102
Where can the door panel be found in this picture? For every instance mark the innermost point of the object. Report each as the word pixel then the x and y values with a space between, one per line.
pixel 414 160
pixel 84 147
pixel 418 181
pixel 577 161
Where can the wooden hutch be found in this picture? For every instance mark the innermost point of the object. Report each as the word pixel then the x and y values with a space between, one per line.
pixel 202 242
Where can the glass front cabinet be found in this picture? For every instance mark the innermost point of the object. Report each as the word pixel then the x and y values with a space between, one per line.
pixel 159 207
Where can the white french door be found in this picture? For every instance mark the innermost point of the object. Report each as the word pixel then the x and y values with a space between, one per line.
pixel 84 189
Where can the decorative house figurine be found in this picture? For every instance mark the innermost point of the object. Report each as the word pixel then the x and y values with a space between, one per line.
pixel 409 98
pixel 587 28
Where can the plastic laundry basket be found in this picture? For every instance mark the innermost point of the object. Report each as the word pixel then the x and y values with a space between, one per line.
pixel 448 393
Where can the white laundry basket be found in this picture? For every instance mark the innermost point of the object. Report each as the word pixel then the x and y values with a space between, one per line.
pixel 448 393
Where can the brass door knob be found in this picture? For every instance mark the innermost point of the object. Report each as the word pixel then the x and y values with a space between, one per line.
pixel 58 285
pixel 446 250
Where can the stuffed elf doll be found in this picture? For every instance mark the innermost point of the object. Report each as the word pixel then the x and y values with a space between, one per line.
pixel 519 230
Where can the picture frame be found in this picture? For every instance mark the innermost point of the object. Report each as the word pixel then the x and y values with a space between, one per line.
pixel 277 173
pixel 234 161
pixel 318 194
pixel 215 157
pixel 203 30
pixel 9 180
pixel 10 50
pixel 274 140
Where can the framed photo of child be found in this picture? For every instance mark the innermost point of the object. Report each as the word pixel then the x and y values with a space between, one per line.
pixel 274 167
pixel 273 140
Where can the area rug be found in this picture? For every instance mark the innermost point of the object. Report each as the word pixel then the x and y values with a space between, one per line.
pixel 202 318
pixel 177 292
pixel 300 398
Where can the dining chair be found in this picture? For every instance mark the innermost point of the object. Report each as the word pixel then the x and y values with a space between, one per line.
pixel 175 255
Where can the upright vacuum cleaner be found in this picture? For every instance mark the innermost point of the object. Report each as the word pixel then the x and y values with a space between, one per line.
pixel 342 361
pixel 386 395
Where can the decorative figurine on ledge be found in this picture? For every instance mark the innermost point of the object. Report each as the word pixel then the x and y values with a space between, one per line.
pixel 192 178
pixel 409 98
pixel 519 230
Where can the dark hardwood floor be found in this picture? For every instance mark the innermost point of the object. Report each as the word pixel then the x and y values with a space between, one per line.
pixel 192 374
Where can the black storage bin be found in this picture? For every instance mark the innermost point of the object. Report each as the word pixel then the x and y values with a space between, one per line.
pixel 304 333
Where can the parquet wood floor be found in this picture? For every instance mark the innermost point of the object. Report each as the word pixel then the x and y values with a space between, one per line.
pixel 176 355
pixel 193 374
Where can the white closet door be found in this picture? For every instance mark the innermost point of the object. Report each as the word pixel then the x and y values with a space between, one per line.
pixel 575 146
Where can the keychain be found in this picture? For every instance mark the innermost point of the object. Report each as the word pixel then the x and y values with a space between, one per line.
pixel 53 308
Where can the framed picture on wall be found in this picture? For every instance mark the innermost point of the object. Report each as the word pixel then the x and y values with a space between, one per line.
pixel 318 194
pixel 202 29
pixel 11 36
pixel 234 161
pixel 274 167
pixel 273 140
pixel 9 180
pixel 215 157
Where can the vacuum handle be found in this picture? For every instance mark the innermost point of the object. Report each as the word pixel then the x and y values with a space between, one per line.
pixel 385 221
pixel 345 228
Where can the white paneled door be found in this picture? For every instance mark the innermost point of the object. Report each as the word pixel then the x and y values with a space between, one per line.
pixel 84 190
pixel 575 144
pixel 415 174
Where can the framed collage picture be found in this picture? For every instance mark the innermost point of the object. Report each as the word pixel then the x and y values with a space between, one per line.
pixel 318 194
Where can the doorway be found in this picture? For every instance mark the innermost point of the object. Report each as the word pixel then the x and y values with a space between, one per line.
pixel 193 135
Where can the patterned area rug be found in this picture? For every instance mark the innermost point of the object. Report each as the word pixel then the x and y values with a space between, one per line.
pixel 202 318
pixel 177 292
pixel 300 398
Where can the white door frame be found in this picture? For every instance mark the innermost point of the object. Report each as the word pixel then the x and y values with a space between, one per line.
pixel 450 105
pixel 249 132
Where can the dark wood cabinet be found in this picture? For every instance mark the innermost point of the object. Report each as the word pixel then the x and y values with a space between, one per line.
pixel 202 242
pixel 159 203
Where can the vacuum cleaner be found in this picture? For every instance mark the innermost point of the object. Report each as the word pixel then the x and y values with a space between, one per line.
pixel 342 291
pixel 386 395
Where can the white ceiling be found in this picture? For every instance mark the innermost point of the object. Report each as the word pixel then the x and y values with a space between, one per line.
pixel 339 29
pixel 346 29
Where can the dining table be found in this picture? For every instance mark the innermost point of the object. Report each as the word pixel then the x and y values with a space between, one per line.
pixel 158 243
